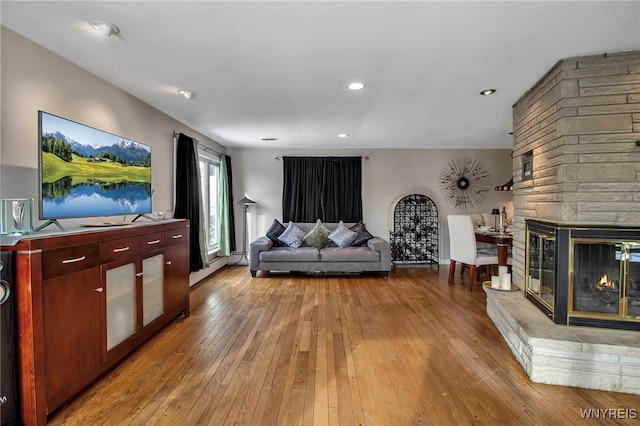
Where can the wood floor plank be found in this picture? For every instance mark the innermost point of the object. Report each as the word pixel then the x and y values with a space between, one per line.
pixel 317 403
pixel 235 383
pixel 267 411
pixel 259 374
pixel 331 350
pixel 352 376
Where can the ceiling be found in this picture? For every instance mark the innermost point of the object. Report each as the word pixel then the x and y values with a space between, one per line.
pixel 280 69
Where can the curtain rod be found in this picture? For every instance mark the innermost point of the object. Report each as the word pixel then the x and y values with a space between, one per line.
pixel 203 147
pixel 366 157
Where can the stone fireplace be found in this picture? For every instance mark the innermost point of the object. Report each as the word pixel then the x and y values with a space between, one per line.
pixel 576 164
pixel 581 125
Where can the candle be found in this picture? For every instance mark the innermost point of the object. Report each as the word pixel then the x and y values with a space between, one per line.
pixel 502 270
pixel 505 282
pixel 534 284
pixel 495 281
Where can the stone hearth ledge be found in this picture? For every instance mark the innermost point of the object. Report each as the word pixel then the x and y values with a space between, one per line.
pixel 585 357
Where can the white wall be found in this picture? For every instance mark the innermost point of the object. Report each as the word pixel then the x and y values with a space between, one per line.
pixel 34 78
pixel 387 175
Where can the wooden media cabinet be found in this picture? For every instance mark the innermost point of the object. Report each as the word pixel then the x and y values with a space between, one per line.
pixel 88 298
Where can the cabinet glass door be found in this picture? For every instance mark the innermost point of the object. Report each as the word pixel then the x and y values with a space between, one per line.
pixel 152 285
pixel 121 304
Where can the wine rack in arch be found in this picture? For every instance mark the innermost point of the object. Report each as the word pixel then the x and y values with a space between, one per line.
pixel 414 239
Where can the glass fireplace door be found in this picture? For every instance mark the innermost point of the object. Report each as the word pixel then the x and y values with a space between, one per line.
pixel 605 280
pixel 631 296
pixel 540 276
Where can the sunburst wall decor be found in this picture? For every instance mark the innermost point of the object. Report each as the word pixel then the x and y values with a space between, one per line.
pixel 464 182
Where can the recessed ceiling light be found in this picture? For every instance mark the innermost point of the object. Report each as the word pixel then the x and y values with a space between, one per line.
pixel 487 92
pixel 356 86
pixel 268 139
pixel 186 93
pixel 105 28
pixel 343 135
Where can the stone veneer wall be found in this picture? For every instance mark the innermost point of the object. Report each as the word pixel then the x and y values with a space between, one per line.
pixel 582 122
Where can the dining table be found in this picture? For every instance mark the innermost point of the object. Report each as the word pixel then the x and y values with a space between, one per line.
pixel 502 241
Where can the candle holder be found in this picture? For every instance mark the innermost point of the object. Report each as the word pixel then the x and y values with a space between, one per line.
pixel 16 216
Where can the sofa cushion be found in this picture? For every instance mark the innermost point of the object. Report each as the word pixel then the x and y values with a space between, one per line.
pixel 342 236
pixel 292 236
pixel 288 254
pixel 363 235
pixel 318 237
pixel 349 254
pixel 275 230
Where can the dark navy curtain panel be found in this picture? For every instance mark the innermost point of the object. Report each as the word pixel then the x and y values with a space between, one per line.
pixel 232 222
pixel 188 196
pixel 325 188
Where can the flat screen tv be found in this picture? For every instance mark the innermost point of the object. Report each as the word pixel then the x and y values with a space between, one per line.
pixel 86 172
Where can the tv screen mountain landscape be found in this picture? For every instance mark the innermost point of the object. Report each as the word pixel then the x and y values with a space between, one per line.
pixel 86 172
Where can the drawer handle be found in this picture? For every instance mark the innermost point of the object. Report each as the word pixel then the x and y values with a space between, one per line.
pixel 139 274
pixel 153 242
pixel 118 250
pixel 77 259
pixel 168 262
pixel 99 289
pixel 175 237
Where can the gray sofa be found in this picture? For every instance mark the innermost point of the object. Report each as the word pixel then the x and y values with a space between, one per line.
pixel 264 255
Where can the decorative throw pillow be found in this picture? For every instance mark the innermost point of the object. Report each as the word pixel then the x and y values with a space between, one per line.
pixel 292 236
pixel 275 230
pixel 318 237
pixel 342 236
pixel 363 235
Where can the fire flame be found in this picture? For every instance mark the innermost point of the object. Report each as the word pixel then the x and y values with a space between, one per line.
pixel 605 283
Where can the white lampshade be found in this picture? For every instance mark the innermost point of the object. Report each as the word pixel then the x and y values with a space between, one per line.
pixel 245 201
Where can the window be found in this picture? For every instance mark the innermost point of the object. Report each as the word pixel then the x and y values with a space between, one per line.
pixel 210 180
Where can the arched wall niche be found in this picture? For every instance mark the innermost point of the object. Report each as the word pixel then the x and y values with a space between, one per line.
pixel 414 230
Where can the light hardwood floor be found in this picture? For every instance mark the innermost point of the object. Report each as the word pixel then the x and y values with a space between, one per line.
pixel 332 350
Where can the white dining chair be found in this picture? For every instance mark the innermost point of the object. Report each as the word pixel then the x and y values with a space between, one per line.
pixel 463 249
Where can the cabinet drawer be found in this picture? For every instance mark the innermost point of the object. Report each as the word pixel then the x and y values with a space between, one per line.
pixel 150 242
pixel 60 262
pixel 118 249
pixel 177 236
